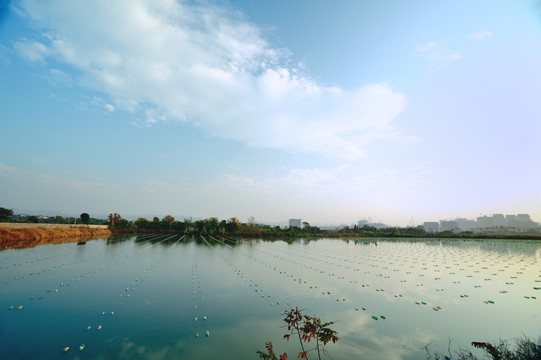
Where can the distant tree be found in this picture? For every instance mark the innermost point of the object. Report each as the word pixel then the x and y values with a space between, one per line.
pixel 142 223
pixel 5 214
pixel 123 223
pixel 222 226
pixel 188 226
pixel 58 219
pixel 200 224
pixel 233 225
pixel 252 224
pixel 85 218
pixel 168 220
pixel 114 219
pixel 211 225
pixel 33 219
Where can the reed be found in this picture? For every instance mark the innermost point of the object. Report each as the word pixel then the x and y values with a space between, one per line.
pixel 24 237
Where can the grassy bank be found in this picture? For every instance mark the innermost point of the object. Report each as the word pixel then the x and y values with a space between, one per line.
pixel 30 235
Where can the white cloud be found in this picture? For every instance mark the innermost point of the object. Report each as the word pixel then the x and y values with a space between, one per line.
pixel 479 35
pixel 58 77
pixel 5 170
pixel 32 51
pixel 437 55
pixel 172 61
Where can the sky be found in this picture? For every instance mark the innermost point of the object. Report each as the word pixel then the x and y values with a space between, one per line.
pixel 330 111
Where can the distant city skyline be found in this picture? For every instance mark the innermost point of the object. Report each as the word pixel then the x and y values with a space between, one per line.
pixel 324 111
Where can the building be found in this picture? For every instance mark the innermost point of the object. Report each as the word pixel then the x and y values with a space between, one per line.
pixel 498 220
pixel 431 226
pixel 465 224
pixel 448 225
pixel 295 223
pixel 511 221
pixel 484 222
pixel 362 223
pixel 525 222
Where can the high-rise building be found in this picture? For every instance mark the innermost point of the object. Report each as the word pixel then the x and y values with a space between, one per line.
pixel 465 224
pixel 362 223
pixel 295 223
pixel 511 221
pixel 498 220
pixel 448 225
pixel 484 222
pixel 524 221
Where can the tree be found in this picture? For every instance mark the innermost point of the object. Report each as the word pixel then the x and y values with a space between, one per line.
pixel 85 218
pixel 142 223
pixel 114 219
pixel 252 224
pixel 222 226
pixel 5 214
pixel 168 220
pixel 233 225
pixel 211 225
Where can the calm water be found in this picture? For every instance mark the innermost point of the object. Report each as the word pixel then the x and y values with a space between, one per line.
pixel 145 292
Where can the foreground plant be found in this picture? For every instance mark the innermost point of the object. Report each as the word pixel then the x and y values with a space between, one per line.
pixel 307 328
pixel 523 349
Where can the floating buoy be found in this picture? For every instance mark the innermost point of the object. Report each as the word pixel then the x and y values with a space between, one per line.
pixel 196 334
pixel 65 350
pixel 82 347
pixel 207 333
pixel 374 317
pixel 88 328
pixel 20 307
pixel 204 318
pixel 10 308
pixel 99 327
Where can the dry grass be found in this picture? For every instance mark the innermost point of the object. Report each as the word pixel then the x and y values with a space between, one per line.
pixel 22 237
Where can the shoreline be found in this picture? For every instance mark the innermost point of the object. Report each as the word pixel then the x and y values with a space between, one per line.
pixel 19 235
pixel 24 235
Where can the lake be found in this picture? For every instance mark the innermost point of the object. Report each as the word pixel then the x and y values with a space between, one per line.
pixel 169 297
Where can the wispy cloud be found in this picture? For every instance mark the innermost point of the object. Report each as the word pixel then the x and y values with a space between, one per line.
pixel 479 35
pixel 58 77
pixel 438 56
pixel 32 51
pixel 210 68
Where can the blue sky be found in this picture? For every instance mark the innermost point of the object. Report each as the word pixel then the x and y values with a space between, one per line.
pixel 326 111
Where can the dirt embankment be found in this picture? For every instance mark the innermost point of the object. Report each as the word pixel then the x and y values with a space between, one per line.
pixel 14 235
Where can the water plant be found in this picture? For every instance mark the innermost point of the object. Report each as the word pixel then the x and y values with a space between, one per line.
pixel 524 349
pixel 306 328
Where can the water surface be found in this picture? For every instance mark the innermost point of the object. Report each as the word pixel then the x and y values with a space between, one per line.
pixel 147 291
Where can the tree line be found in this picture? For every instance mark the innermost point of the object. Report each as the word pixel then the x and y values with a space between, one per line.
pixel 7 215
pixel 214 226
